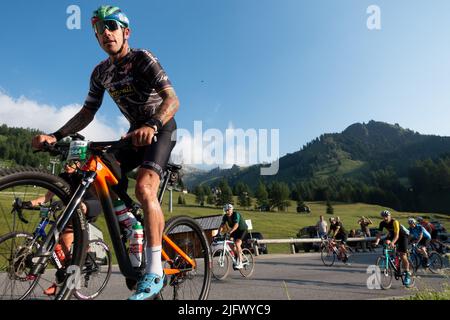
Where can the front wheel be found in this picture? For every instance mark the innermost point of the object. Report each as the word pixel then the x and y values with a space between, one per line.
pixel 191 283
pixel 386 275
pixel 96 271
pixel 220 264
pixel 328 256
pixel 435 261
pixel 20 185
pixel 16 251
pixel 248 263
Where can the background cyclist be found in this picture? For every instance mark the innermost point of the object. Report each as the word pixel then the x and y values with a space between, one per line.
pixel 90 206
pixel 419 235
pixel 144 94
pixel 339 233
pixel 237 230
pixel 397 236
pixel 431 228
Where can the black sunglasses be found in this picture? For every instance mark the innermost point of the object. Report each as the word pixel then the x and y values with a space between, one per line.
pixel 102 25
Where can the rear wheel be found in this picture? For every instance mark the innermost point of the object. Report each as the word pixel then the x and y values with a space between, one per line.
pixel 248 263
pixel 190 283
pixel 386 274
pixel 20 185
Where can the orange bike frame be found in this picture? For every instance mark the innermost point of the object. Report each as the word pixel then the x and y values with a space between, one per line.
pixel 105 178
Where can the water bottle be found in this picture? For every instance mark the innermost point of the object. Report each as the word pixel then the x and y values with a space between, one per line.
pixel 125 217
pixel 136 245
pixel 397 262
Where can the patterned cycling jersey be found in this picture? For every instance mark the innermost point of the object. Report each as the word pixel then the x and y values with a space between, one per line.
pixel 133 83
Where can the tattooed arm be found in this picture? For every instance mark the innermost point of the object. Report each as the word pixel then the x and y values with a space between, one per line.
pixel 168 107
pixel 74 125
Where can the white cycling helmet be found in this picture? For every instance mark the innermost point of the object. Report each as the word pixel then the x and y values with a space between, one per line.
pixel 385 213
pixel 412 221
pixel 227 207
pixel 420 219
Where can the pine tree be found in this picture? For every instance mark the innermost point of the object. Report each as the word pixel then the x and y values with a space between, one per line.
pixel 330 209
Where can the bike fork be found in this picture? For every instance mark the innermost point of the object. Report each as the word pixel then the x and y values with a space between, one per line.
pixel 46 250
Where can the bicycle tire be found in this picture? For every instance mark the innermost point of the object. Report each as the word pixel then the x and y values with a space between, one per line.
pixel 220 262
pixel 189 236
pixel 328 257
pixel 248 263
pixel 415 262
pixel 98 263
pixel 20 177
pixel 411 271
pixel 20 257
pixel 435 261
pixel 386 275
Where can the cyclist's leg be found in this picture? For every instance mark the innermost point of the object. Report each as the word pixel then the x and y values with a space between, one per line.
pixel 239 235
pixel 402 249
pixel 156 157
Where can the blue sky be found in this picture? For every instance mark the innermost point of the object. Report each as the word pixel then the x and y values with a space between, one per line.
pixel 304 67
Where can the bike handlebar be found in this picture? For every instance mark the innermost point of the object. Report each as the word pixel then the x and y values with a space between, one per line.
pixel 61 148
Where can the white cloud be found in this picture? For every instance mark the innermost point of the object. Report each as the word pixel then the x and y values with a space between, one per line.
pixel 26 113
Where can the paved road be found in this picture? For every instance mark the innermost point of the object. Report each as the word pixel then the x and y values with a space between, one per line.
pixel 298 277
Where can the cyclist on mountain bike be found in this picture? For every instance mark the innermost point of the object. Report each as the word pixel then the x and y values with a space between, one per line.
pixel 238 230
pixel 90 206
pixel 398 235
pixel 144 94
pixel 339 233
pixel 419 235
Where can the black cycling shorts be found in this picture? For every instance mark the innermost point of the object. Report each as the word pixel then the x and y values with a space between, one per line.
pixel 238 234
pixel 402 244
pixel 154 156
pixel 343 237
pixel 423 242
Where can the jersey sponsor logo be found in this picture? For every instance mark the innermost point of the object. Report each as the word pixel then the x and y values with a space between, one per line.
pixel 122 92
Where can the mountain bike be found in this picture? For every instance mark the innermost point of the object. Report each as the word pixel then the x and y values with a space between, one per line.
pixel 20 246
pixel 435 262
pixel 185 251
pixel 223 257
pixel 329 252
pixel 391 267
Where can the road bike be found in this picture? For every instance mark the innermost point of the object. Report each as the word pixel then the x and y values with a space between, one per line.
pixel 185 252
pixel 17 245
pixel 329 251
pixel 390 266
pixel 435 262
pixel 223 257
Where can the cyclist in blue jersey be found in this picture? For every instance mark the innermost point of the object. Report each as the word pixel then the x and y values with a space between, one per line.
pixel 418 234
pixel 144 94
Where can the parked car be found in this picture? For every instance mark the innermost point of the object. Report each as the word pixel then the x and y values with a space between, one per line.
pixel 247 242
pixel 303 209
pixel 305 233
